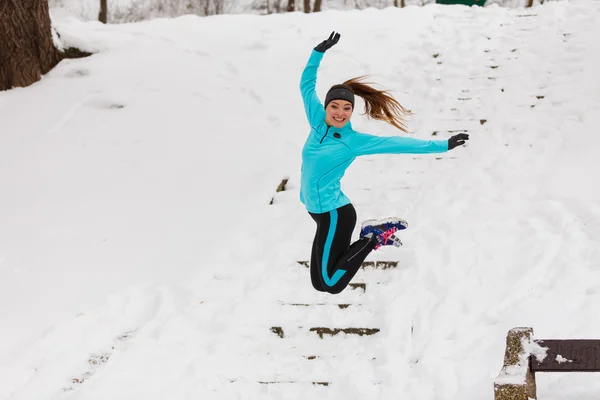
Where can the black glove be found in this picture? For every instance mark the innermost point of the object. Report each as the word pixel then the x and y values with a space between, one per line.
pixel 329 43
pixel 457 140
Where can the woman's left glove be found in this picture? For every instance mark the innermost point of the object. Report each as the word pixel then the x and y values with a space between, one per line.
pixel 329 43
pixel 457 140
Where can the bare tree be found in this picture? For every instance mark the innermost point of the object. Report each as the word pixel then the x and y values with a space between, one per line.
pixel 307 6
pixel 27 50
pixel 291 6
pixel 103 15
pixel 317 7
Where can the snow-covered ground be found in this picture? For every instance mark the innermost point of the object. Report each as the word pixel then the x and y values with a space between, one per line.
pixel 140 257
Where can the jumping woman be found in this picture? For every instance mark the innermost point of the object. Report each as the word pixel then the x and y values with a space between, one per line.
pixel 330 148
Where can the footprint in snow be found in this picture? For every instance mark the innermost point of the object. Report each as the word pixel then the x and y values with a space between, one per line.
pixel 105 104
pixel 78 73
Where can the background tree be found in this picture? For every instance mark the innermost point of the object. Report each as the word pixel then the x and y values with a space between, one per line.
pixel 103 15
pixel 27 50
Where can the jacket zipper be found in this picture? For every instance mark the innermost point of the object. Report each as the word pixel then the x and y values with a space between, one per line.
pixel 325 135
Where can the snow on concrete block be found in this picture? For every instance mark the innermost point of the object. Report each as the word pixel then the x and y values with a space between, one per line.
pixel 516 381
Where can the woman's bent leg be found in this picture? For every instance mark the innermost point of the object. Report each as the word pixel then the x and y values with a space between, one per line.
pixel 336 261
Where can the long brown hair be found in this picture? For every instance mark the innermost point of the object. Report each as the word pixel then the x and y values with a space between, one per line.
pixel 379 104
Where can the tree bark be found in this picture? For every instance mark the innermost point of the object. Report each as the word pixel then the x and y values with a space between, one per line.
pixel 317 7
pixel 26 49
pixel 291 6
pixel 103 16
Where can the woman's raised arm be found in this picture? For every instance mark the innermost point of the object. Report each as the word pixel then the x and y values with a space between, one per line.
pixel 308 81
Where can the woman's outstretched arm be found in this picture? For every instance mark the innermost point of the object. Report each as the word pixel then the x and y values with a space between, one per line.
pixel 362 144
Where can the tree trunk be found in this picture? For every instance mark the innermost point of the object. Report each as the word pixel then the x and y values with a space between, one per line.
pixel 317 7
pixel 402 3
pixel 26 50
pixel 103 16
pixel 291 5
pixel 307 6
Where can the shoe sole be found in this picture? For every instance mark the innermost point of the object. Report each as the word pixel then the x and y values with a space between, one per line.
pixel 403 224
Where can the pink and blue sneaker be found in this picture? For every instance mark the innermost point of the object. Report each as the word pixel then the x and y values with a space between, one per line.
pixel 383 230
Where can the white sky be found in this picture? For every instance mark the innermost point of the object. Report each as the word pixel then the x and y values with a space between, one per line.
pixel 140 255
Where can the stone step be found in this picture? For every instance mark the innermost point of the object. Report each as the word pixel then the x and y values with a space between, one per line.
pixel 282 368
pixel 341 306
pixel 348 331
pixel 310 313
pixel 317 372
pixel 293 382
pixel 314 383
pixel 354 294
pixel 307 347
pixel 320 388
pixel 324 331
pixel 364 265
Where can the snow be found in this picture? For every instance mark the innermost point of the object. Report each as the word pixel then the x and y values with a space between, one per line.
pixel 533 348
pixel 517 374
pixel 140 257
pixel 561 359
pixel 512 375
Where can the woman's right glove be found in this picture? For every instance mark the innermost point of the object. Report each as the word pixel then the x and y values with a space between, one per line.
pixel 457 140
pixel 329 43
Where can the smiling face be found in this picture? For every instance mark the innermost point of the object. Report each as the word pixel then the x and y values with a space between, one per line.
pixel 338 113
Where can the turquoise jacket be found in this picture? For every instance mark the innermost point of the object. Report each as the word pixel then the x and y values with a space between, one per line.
pixel 329 151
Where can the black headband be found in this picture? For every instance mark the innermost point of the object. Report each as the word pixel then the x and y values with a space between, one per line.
pixel 339 93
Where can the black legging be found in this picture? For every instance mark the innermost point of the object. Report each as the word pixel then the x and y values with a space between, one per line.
pixel 334 262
